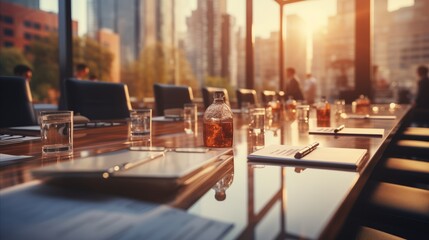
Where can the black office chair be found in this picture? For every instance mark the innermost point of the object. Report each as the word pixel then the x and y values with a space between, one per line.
pixel 398 210
pixel 98 100
pixel 171 96
pixel 208 95
pixel 246 95
pixel 267 96
pixel 16 105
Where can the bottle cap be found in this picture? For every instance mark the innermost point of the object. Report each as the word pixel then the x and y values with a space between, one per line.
pixel 218 94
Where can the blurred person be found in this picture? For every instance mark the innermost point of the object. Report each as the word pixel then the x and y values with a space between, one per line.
pixel 24 71
pixel 310 88
pixel 422 98
pixel 292 86
pixel 93 77
pixel 82 71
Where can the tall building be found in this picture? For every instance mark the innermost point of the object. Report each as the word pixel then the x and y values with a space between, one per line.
pixel 240 45
pixel 139 23
pixel 209 41
pixel 35 4
pixel 120 17
pixel 408 44
pixel 110 40
pixel 318 61
pixel 296 45
pixel 267 62
pixel 20 25
pixel 339 50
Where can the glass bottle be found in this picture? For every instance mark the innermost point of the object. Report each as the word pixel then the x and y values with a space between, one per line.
pixel 323 109
pixel 291 108
pixel 218 123
pixel 363 105
pixel 275 109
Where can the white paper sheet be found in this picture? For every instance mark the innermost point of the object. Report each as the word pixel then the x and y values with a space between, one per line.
pixel 7 158
pixel 349 131
pixel 6 139
pixel 347 158
pixel 373 117
pixel 43 212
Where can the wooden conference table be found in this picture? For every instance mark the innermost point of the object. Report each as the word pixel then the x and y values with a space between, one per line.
pixel 262 202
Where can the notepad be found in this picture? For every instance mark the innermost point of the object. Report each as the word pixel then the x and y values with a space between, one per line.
pixel 325 157
pixel 376 132
pixel 373 117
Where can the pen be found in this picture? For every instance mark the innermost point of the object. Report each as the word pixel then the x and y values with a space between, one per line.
pixel 308 149
pixel 339 128
pixel 128 165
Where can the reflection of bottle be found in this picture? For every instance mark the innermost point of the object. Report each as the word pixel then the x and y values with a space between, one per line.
pixel 323 111
pixel 218 123
pixel 362 105
pixel 222 185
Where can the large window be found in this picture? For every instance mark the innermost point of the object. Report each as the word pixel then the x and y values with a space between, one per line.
pixel 202 43
pixel 401 44
pixel 23 41
pixel 318 39
pixel 185 42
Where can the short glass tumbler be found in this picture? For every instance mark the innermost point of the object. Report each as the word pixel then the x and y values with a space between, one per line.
pixel 140 124
pixel 56 132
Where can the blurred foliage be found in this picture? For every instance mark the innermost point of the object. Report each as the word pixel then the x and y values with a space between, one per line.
pixel 158 64
pixel 97 58
pixel 9 58
pixel 43 54
pixel 220 82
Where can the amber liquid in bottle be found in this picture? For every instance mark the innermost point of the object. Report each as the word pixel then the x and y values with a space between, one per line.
pixel 218 128
pixel 323 111
pixel 218 134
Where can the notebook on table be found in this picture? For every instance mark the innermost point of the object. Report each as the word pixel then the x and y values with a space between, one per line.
pixel 323 157
pixel 375 132
pixel 167 169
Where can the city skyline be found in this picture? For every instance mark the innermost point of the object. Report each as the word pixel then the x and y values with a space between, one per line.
pixel 263 23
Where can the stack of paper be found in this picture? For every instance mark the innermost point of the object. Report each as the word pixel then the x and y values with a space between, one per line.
pixel 347 158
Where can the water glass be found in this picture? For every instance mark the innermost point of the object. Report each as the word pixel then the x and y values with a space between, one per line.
pixel 245 107
pixel 340 107
pixel 141 124
pixel 303 113
pixel 56 132
pixel 190 118
pixel 257 120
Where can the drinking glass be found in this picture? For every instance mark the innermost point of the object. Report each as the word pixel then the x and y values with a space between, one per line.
pixel 190 118
pixel 56 132
pixel 257 120
pixel 303 113
pixel 141 124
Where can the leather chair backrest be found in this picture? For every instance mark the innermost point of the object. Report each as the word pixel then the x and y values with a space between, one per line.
pixel 246 95
pixel 171 96
pixel 98 100
pixel 208 93
pixel 267 96
pixel 16 107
